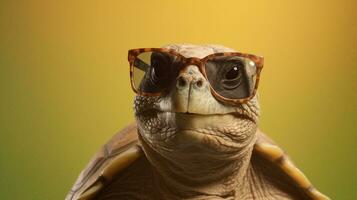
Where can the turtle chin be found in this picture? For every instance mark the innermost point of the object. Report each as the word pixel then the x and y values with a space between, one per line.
pixel 212 132
pixel 210 127
pixel 194 132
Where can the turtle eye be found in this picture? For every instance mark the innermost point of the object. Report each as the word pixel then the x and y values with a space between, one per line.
pixel 232 75
pixel 160 65
pixel 153 71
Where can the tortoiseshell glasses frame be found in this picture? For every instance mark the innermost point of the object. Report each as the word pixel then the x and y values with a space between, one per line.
pixel 200 63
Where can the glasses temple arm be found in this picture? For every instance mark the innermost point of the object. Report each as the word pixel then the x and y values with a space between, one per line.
pixel 138 63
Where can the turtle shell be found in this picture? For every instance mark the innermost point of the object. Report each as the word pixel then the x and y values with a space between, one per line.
pixel 268 162
pixel 121 150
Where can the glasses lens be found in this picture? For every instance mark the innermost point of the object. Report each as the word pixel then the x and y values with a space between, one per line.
pixel 232 77
pixel 153 71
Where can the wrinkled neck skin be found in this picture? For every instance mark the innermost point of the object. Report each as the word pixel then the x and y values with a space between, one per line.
pixel 197 156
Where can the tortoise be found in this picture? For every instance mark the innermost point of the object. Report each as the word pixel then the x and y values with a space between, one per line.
pixel 196 134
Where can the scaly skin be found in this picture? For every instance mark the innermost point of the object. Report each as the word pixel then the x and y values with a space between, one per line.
pixel 195 148
pixel 199 148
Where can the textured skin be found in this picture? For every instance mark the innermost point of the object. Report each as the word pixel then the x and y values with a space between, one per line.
pixel 202 155
pixel 194 147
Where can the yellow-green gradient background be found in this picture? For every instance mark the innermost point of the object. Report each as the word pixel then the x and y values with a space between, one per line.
pixel 64 81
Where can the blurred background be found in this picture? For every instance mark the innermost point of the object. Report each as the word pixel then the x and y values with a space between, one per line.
pixel 64 81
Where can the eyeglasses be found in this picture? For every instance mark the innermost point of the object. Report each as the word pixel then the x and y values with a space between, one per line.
pixel 233 77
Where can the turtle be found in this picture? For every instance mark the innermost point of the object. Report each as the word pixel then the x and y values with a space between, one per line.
pixel 196 134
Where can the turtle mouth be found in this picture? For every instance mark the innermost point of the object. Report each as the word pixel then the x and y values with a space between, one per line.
pixel 206 130
pixel 154 112
pixel 190 115
pixel 185 129
pixel 235 114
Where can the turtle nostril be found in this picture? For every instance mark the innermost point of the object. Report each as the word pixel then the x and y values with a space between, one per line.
pixel 181 81
pixel 199 83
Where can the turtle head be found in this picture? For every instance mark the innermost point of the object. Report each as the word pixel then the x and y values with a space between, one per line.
pixel 189 117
